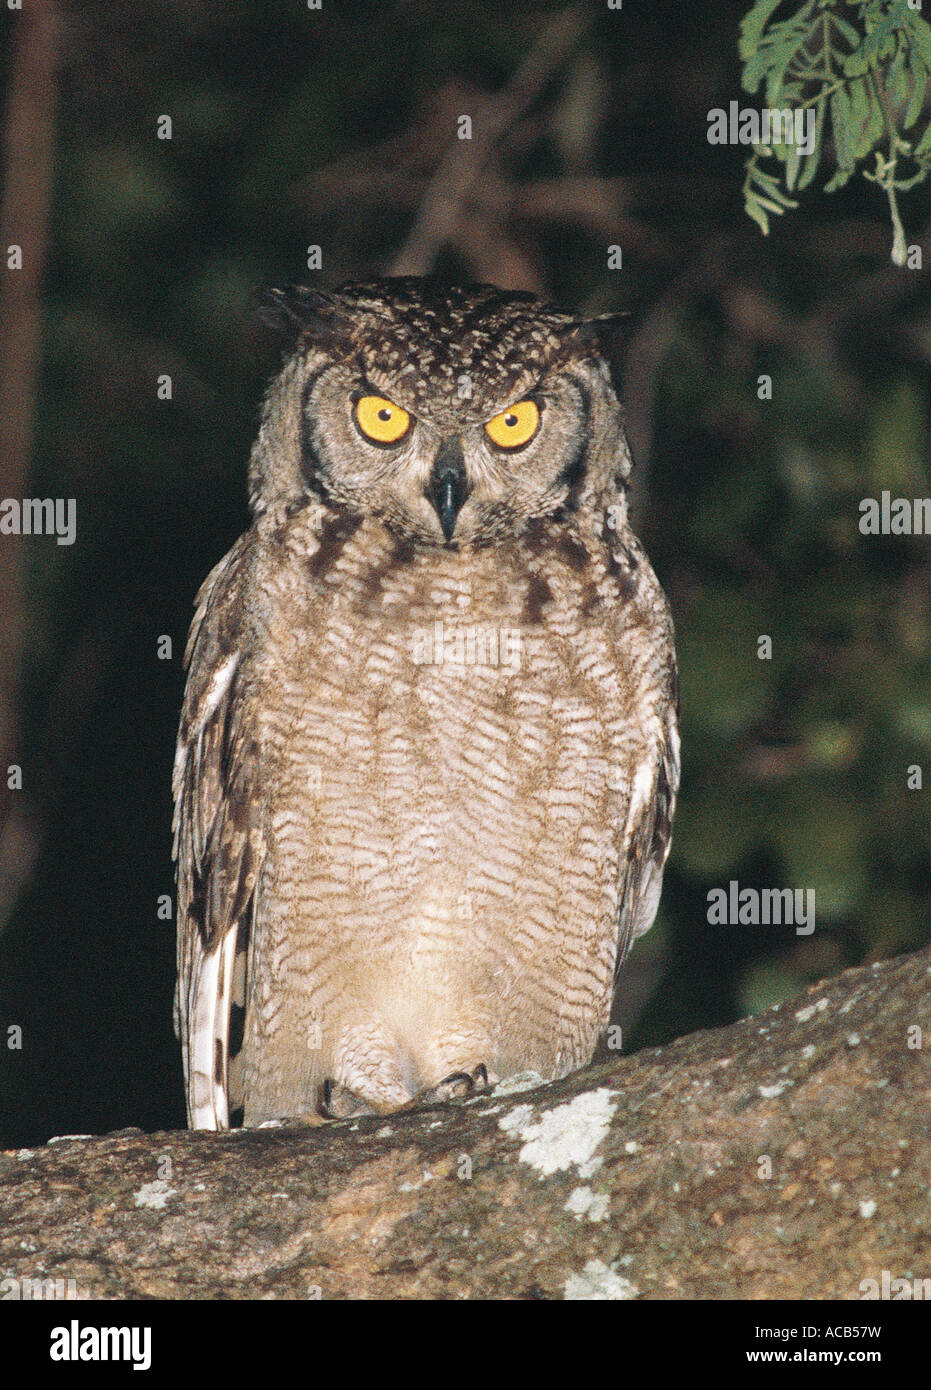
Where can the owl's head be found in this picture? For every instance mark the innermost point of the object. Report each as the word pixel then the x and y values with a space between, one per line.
pixel 454 414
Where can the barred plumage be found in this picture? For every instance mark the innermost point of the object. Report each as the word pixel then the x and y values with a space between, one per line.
pixel 424 785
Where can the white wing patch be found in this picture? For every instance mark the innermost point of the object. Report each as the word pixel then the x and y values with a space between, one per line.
pixel 218 846
pixel 647 835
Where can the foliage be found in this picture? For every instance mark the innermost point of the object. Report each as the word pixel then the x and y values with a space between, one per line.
pixel 866 81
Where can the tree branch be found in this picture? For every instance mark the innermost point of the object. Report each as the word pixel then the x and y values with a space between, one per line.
pixel 785 1156
pixel 448 189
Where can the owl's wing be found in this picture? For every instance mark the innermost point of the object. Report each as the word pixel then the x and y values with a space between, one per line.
pixel 217 845
pixel 648 833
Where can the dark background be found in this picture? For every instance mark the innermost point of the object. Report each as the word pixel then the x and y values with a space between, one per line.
pixel 337 128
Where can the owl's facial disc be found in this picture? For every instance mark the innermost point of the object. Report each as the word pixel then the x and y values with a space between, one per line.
pixel 440 470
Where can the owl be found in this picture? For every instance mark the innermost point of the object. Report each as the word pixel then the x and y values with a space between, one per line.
pixel 428 754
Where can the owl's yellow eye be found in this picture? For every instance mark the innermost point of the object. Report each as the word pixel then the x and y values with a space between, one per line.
pixel 381 420
pixel 515 426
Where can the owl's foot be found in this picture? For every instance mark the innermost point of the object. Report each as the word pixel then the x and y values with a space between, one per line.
pixel 366 1076
pixel 457 1086
pixel 340 1103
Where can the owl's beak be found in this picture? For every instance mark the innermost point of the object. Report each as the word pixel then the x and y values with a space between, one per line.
pixel 448 489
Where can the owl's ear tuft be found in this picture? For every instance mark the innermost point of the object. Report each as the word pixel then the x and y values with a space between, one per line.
pixel 601 333
pixel 598 337
pixel 609 328
pixel 302 316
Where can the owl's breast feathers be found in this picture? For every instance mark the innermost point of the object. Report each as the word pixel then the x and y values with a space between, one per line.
pixel 306 636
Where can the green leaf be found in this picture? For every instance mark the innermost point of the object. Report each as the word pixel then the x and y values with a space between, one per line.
pixel 879 42
pixel 774 52
pixel 779 207
pixel 840 124
pixel 791 94
pixel 919 76
pixel 859 119
pixel 753 24
pixel 810 166
pixel 770 188
pixel 767 181
pixel 754 72
pixel 876 128
pixel 924 144
pixel 919 32
pixel 763 194
pixel 840 178
pixel 897 76
pixel 848 31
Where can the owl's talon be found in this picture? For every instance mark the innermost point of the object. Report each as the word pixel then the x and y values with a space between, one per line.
pixel 457 1086
pixel 454 1083
pixel 340 1103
